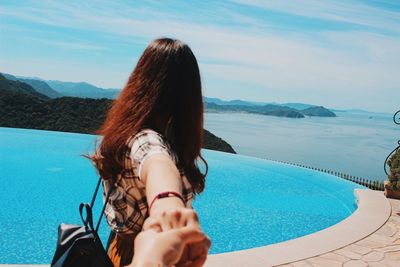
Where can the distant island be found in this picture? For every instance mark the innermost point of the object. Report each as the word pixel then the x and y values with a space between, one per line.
pixel 56 89
pixel 21 106
pixel 272 110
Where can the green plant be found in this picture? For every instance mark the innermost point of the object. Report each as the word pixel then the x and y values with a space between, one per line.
pixel 394 175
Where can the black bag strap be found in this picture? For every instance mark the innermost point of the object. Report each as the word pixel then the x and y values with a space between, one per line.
pixel 105 204
pixel 110 239
pixel 95 193
pixel 88 222
pixel 88 208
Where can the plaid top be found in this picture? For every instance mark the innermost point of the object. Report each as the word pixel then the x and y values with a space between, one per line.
pixel 127 206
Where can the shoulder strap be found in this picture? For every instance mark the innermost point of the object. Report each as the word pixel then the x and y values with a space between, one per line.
pixel 88 222
pixel 104 206
pixel 95 192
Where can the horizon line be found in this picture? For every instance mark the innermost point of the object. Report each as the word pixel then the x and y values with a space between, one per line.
pixel 223 99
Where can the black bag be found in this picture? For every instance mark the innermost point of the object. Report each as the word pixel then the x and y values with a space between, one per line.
pixel 80 246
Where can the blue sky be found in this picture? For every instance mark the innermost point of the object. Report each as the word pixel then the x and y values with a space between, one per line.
pixel 340 54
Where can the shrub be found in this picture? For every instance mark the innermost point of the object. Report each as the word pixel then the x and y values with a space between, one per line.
pixel 394 175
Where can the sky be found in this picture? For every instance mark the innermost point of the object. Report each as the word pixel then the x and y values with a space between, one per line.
pixel 339 54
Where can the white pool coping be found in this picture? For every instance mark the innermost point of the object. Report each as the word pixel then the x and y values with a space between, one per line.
pixel 372 212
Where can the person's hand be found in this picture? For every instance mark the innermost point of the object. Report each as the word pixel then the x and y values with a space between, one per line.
pixel 166 248
pixel 172 219
pixel 194 253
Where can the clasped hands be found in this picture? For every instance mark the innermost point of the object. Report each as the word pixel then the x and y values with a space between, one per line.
pixel 171 238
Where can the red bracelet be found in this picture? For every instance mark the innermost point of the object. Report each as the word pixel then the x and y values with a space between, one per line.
pixel 164 195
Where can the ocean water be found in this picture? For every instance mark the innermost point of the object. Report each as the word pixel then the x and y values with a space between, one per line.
pixel 248 202
pixel 352 143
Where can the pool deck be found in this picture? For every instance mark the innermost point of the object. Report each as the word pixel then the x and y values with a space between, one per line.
pixel 382 248
pixel 369 237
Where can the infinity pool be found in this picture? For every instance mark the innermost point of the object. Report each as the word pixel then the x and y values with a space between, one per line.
pixel 247 203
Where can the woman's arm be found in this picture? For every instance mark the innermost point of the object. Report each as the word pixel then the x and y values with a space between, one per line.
pixel 160 174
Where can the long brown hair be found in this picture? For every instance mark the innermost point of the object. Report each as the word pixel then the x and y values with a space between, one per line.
pixel 164 87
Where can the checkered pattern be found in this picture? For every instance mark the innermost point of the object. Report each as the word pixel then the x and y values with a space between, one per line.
pixel 127 206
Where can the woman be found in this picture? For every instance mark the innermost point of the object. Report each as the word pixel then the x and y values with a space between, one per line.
pixel 152 138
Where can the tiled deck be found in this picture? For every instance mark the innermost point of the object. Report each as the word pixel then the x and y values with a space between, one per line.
pixel 381 248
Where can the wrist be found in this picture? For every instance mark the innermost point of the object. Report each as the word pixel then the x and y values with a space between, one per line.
pixel 166 204
pixel 146 263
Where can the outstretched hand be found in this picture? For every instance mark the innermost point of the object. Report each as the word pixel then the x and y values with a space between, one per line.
pixel 175 237
pixel 166 248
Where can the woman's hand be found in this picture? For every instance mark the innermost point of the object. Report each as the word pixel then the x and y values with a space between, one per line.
pixel 166 248
pixel 172 219
pixel 195 253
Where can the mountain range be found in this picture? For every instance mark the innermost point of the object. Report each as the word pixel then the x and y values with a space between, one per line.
pixel 21 106
pixel 55 89
pixel 298 106
pixel 271 110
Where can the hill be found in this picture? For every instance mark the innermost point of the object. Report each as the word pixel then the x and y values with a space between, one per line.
pixel 42 87
pixel 271 110
pixel 212 142
pixel 231 102
pixel 218 101
pixel 64 114
pixel 22 107
pixel 82 89
pixel 19 87
pixel 37 84
pixel 54 89
pixel 298 106
pixel 318 111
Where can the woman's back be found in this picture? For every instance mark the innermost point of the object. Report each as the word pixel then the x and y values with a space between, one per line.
pixel 128 205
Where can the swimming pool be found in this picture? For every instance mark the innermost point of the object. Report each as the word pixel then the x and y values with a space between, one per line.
pixel 247 203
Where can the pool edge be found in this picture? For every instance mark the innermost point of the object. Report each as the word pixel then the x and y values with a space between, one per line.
pixel 371 214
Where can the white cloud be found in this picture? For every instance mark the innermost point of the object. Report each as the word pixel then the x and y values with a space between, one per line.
pixel 338 10
pixel 307 66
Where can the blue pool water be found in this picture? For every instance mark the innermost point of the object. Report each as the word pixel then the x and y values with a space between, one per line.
pixel 247 203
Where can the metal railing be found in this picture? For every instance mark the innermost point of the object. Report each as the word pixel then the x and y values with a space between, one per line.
pixel 396 120
pixel 372 184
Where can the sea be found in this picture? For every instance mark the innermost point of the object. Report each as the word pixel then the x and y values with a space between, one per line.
pixel 353 143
